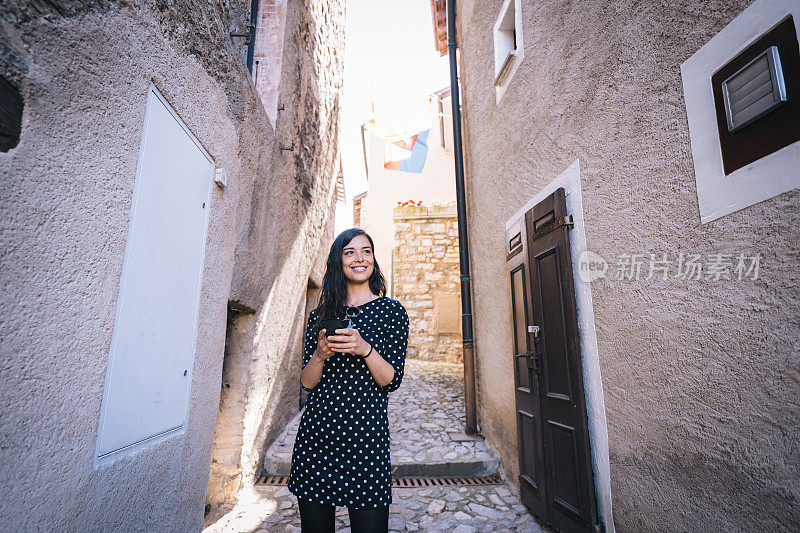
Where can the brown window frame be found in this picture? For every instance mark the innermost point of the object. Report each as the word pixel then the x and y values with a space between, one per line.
pixel 777 129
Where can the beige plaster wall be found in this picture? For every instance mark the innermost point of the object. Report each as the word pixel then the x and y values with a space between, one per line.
pixel 67 190
pixel 700 380
pixel 281 245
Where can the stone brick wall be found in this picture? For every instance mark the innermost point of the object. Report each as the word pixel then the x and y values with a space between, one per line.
pixel 425 279
pixel 357 209
pixel 268 53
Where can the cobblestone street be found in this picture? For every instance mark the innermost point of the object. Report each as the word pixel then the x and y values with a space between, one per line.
pixel 427 429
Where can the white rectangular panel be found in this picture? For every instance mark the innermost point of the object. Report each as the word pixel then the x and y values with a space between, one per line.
pixel 153 342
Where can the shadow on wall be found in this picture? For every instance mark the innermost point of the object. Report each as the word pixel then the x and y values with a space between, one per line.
pixel 260 375
pixel 11 106
pixel 286 222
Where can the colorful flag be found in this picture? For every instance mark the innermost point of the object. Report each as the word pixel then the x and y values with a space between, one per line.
pixel 407 155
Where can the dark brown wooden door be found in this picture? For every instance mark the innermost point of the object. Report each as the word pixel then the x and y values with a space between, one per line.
pixel 526 386
pixel 557 442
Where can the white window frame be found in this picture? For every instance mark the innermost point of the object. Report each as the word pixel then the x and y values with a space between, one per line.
pixel 774 174
pixel 507 57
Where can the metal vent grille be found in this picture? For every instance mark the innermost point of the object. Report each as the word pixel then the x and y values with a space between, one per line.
pixel 273 481
pixel 754 90
pixel 407 482
pixel 402 482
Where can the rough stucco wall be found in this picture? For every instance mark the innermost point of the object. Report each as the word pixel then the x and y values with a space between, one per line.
pixel 701 389
pixel 67 196
pixel 290 218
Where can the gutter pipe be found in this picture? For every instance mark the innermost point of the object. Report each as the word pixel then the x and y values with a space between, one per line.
pixel 468 344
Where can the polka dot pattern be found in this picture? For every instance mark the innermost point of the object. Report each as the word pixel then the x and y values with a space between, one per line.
pixel 341 454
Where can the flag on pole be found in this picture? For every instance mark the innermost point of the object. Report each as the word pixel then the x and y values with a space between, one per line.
pixel 408 154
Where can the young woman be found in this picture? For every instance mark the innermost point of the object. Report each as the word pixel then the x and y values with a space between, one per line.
pixel 341 455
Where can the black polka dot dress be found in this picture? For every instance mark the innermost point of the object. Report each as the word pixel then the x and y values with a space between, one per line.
pixel 341 454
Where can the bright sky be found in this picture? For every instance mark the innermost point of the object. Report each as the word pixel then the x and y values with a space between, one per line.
pixel 391 58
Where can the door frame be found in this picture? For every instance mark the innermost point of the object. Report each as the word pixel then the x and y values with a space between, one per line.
pixel 593 385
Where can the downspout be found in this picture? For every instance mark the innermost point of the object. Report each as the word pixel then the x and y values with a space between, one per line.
pixel 251 35
pixel 468 345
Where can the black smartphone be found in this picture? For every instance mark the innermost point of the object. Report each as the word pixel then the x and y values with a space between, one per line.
pixel 330 325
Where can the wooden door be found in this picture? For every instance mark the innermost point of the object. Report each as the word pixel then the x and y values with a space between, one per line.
pixel 565 497
pixel 531 478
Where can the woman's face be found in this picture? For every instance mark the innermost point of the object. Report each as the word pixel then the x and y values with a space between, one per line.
pixel 357 260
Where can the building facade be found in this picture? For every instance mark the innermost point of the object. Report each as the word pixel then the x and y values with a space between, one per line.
pixel 387 188
pixel 608 224
pixel 162 223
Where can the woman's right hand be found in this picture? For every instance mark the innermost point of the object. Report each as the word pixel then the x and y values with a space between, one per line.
pixel 323 350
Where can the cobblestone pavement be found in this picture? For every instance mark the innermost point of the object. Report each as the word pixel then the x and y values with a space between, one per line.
pixel 445 509
pixel 426 416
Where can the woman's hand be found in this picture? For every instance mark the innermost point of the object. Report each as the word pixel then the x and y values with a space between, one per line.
pixel 349 341
pixel 323 350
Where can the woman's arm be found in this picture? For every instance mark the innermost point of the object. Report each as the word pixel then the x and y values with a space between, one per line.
pixel 382 371
pixel 315 352
pixel 312 372
pixel 396 345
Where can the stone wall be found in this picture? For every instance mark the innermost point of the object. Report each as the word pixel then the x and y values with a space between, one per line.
pixel 268 53
pixel 426 279
pixel 84 70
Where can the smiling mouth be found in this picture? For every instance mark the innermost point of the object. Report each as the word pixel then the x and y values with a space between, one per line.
pixel 359 268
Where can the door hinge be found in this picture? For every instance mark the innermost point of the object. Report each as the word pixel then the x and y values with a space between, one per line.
pixel 566 222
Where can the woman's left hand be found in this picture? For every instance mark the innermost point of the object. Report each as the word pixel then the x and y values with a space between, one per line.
pixel 349 341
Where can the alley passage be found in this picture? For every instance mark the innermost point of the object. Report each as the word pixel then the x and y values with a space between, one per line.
pixel 427 430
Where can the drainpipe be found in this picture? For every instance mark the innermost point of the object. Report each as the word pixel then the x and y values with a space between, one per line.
pixel 251 35
pixel 463 240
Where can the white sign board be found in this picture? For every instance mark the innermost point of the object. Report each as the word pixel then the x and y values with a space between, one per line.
pixel 153 343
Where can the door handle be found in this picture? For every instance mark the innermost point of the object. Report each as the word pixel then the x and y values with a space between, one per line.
pixel 531 359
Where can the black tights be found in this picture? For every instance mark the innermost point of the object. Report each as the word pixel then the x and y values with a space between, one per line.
pixel 320 518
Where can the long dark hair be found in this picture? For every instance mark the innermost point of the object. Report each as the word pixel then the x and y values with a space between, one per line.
pixel 333 297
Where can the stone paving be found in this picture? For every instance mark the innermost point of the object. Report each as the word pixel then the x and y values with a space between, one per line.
pixel 441 509
pixel 426 417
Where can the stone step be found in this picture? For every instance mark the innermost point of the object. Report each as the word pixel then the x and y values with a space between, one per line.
pixel 455 454
pixel 279 464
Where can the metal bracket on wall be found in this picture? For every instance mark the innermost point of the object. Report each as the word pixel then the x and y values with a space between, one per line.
pixel 245 35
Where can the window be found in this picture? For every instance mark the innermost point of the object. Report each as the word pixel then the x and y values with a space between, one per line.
pixel 444 112
pixel 755 159
pixel 754 115
pixel 508 48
